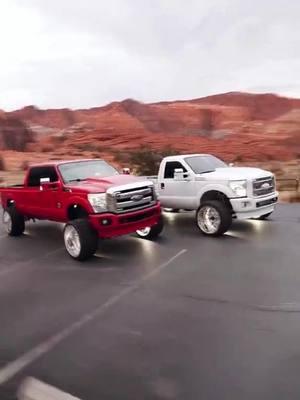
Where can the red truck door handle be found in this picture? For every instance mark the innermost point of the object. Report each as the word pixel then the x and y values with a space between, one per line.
pixel 162 185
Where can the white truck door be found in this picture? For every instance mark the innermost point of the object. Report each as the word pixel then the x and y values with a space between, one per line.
pixel 176 194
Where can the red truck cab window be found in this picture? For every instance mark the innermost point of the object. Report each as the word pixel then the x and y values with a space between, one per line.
pixel 37 173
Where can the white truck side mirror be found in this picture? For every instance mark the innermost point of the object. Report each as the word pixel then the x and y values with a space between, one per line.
pixel 180 175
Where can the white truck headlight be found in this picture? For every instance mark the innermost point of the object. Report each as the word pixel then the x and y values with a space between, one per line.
pixel 98 202
pixel 239 188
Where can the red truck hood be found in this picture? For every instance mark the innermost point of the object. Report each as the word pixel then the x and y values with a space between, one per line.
pixel 94 185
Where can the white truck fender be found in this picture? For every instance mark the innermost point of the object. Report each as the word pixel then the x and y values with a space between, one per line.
pixel 214 187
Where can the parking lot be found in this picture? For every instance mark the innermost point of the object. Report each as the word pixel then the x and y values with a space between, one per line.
pixel 187 317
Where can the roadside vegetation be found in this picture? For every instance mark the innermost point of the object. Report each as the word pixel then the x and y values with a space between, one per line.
pixel 144 160
pixel 2 164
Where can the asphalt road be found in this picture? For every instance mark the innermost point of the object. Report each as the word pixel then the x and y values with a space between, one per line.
pixel 187 317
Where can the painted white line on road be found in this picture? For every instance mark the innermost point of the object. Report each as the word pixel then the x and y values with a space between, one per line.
pixel 14 367
pixel 22 264
pixel 33 389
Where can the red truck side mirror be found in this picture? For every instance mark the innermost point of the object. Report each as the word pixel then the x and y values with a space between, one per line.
pixel 45 184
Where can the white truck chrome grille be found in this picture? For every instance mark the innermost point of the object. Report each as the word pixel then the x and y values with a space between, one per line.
pixel 263 186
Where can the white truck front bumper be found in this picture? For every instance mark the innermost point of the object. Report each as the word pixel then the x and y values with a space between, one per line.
pixel 250 207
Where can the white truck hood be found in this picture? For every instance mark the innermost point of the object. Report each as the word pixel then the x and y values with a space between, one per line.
pixel 236 173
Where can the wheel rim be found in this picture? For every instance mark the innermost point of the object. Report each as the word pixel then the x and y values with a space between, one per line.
pixel 144 232
pixel 209 219
pixel 72 241
pixel 7 222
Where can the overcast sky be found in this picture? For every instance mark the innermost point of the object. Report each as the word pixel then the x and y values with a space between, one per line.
pixel 84 53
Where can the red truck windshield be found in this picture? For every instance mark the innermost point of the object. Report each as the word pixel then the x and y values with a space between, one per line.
pixel 81 170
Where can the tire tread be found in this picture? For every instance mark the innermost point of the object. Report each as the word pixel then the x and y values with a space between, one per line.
pixel 225 214
pixel 18 221
pixel 155 230
pixel 88 238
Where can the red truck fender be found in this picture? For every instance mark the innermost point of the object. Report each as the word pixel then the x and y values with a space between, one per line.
pixel 77 206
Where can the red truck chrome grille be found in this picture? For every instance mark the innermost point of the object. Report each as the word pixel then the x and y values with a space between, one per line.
pixel 133 199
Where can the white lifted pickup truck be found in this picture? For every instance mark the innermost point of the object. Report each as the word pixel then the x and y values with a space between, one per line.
pixel 218 192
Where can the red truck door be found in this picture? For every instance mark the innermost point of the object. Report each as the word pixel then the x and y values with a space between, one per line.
pixel 43 194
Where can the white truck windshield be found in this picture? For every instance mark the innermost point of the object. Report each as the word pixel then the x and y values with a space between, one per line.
pixel 204 164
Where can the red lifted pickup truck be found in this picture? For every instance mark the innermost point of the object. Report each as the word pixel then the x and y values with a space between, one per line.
pixel 90 196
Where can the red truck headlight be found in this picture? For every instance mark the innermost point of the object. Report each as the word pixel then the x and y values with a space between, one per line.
pixel 98 202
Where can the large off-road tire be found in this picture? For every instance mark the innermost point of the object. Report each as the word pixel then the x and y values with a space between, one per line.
pixel 213 218
pixel 81 241
pixel 265 216
pixel 152 232
pixel 13 221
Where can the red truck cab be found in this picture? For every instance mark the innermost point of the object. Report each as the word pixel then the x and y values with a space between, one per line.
pixel 90 196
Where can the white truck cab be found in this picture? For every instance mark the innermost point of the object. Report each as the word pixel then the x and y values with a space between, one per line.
pixel 216 191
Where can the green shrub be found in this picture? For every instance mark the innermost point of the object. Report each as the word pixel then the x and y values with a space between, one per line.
pixel 144 161
pixel 2 164
pixel 238 158
pixel 25 165
pixel 59 139
pixel 88 146
pixel 47 148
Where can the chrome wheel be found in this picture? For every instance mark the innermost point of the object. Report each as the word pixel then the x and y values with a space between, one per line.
pixel 208 219
pixel 144 232
pixel 7 222
pixel 72 241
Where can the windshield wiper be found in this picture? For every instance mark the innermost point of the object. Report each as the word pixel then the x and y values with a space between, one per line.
pixel 77 180
pixel 206 172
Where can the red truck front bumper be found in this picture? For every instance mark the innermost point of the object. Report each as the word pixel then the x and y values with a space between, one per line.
pixel 109 225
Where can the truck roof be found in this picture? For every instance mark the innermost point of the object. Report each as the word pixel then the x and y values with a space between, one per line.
pixel 182 156
pixel 59 162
